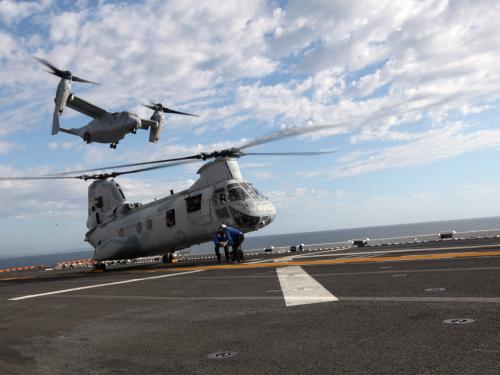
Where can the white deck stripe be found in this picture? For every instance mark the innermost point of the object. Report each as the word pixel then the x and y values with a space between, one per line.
pixel 301 289
pixel 101 285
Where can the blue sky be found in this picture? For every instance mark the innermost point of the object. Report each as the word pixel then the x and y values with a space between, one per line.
pixel 411 87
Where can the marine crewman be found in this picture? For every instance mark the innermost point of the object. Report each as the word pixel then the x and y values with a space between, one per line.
pixel 235 239
pixel 220 239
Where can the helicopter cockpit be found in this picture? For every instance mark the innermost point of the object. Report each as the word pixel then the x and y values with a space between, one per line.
pixel 243 191
pixel 247 206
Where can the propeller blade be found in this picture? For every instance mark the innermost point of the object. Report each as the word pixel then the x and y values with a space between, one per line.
pixel 168 110
pixel 149 106
pixel 78 79
pixel 62 74
pixel 55 71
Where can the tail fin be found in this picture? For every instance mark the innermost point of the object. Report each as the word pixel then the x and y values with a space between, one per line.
pixel 55 122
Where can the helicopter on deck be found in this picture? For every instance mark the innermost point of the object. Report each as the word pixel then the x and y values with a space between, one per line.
pixel 120 229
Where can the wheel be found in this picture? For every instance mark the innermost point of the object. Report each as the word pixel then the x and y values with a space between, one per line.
pixel 99 267
pixel 86 137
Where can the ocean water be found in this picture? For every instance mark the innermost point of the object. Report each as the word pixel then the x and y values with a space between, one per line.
pixel 254 241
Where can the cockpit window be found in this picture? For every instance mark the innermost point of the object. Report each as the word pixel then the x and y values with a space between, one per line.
pixel 256 191
pixel 237 194
pixel 250 191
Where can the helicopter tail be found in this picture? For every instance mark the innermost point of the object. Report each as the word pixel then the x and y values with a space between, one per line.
pixel 55 122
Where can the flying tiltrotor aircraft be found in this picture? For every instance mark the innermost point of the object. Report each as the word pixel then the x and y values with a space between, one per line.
pixel 106 127
pixel 119 229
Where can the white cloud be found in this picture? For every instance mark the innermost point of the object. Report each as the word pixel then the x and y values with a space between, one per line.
pixel 13 11
pixel 7 147
pixel 436 144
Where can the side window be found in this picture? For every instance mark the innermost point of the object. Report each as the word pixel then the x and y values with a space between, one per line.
pixel 139 227
pixel 98 201
pixel 193 203
pixel 219 197
pixel 149 224
pixel 170 218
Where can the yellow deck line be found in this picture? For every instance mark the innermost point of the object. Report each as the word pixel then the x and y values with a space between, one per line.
pixel 469 254
pixel 401 258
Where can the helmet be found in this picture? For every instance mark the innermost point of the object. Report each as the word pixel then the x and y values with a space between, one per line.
pixel 223 226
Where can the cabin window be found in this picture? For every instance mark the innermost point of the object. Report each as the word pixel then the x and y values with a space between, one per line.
pixel 170 218
pixel 98 202
pixel 121 232
pixel 139 227
pixel 149 224
pixel 219 197
pixel 193 203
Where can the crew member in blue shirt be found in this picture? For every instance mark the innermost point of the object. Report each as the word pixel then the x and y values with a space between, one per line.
pixel 234 238
pixel 220 239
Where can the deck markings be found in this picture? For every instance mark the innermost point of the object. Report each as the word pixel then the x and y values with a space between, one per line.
pixel 301 289
pixel 400 299
pixel 318 254
pixel 319 262
pixel 101 285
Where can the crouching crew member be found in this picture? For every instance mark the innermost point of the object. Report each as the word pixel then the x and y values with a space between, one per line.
pixel 221 239
pixel 235 239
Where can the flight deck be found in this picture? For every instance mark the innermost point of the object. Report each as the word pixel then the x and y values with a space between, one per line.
pixel 427 308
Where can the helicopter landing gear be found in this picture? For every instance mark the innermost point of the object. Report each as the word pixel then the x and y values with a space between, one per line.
pixel 134 130
pixel 86 137
pixel 113 145
pixel 99 267
pixel 167 258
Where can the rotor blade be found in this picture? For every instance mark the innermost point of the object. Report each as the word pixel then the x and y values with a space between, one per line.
pixel 234 152
pixel 284 133
pixel 148 106
pixel 192 157
pixel 168 110
pixel 78 79
pixel 39 178
pixel 55 71
pixel 116 174
pixel 306 153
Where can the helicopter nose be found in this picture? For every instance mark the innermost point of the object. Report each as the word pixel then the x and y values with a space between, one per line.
pixel 268 217
pixel 254 215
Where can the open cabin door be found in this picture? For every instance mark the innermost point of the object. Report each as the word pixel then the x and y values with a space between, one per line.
pixel 198 207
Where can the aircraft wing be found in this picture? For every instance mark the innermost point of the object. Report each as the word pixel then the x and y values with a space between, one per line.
pixel 146 124
pixel 82 106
